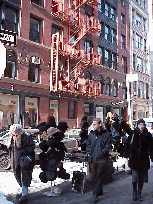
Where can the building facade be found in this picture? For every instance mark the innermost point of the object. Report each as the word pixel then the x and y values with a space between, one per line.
pixel 66 63
pixel 140 91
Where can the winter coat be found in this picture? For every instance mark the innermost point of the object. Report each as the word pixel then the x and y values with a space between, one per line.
pixel 27 149
pixel 139 147
pixel 43 127
pixel 84 137
pixel 99 144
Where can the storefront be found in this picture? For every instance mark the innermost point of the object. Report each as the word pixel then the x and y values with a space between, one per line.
pixel 9 110
pixel 31 112
pixel 53 110
pixel 100 112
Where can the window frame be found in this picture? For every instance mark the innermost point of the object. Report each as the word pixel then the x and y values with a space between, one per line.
pixel 106 33
pixel 122 19
pixel 69 110
pixel 106 59
pixel 123 42
pixel 39 29
pixel 108 86
pixel 107 10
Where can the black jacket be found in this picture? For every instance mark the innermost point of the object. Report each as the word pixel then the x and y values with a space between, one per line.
pixel 139 147
pixel 27 149
pixel 99 144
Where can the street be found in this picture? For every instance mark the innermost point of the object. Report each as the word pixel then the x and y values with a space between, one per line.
pixel 117 192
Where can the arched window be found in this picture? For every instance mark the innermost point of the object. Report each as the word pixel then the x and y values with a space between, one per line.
pixel 108 86
pixel 34 69
pixel 115 88
pixel 11 64
pixel 101 81
pixel 88 77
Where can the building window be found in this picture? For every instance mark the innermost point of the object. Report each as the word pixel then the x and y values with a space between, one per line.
pixel 144 24
pixel 113 36
pixel 87 48
pixel 114 64
pixel 100 55
pixel 133 39
pixel 108 86
pixel 112 13
pixel 11 64
pixel 124 91
pixel 34 69
pixel 38 2
pixel 99 6
pixel 124 65
pixel 106 58
pixel 106 32
pixel 100 28
pixel 35 30
pixel 138 41
pixel 133 15
pixel 133 61
pixel 146 67
pixel 122 41
pixel 147 91
pixel 101 81
pixel 115 89
pixel 87 20
pixel 106 9
pixel 123 2
pixel 71 109
pixel 122 19
pixel 139 64
pixel 141 88
pixel 138 20
pixel 10 21
pixel 56 29
pixel 135 88
pixel 145 45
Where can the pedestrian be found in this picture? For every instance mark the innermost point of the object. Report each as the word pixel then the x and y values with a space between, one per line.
pixel 99 144
pixel 22 158
pixel 83 133
pixel 139 147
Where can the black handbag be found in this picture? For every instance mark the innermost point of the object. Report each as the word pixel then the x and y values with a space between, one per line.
pixel 26 162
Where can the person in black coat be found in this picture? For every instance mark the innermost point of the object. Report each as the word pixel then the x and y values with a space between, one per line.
pixel 139 147
pixel 99 144
pixel 21 146
pixel 83 133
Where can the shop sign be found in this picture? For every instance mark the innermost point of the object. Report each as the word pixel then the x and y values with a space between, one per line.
pixel 35 60
pixel 8 37
pixel 31 102
pixel 140 108
pixel 7 99
pixel 13 102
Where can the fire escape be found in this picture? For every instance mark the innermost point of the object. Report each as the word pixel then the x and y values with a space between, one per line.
pixel 83 25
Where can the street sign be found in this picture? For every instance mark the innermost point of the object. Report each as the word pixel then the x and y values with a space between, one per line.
pixel 2 59
pixel 8 37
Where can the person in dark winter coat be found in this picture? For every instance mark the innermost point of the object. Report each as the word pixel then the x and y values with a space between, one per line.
pixel 44 126
pixel 139 147
pixel 21 145
pixel 99 144
pixel 83 133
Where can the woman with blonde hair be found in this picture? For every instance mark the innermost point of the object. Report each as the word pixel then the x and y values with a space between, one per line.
pixel 98 146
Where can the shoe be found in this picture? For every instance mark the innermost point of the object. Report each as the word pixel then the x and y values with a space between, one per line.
pixel 23 199
pixel 135 198
pixel 95 199
pixel 139 195
pixel 100 193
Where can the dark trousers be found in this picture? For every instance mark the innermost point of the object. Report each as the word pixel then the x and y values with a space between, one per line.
pixel 100 169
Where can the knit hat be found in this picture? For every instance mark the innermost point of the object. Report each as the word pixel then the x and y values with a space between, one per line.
pixel 141 121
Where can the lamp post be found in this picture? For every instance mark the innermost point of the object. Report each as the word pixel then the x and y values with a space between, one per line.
pixel 130 78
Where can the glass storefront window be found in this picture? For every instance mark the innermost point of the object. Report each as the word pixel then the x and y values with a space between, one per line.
pixel 31 112
pixel 53 110
pixel 9 110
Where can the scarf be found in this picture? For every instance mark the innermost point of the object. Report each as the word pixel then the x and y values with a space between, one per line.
pixel 17 141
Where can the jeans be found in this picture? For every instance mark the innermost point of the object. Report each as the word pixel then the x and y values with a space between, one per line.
pixel 24 188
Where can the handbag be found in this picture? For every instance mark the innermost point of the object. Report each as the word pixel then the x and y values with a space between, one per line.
pixel 26 162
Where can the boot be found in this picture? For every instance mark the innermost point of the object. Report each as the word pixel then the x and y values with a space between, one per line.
pixel 23 199
pixel 139 195
pixel 135 198
pixel 140 186
pixel 95 199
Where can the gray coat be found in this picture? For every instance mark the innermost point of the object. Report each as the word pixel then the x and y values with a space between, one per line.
pixel 27 149
pixel 99 144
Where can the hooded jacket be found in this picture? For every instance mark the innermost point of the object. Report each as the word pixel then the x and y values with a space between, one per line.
pixel 99 144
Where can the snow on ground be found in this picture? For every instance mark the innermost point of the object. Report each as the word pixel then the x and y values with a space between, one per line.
pixel 9 185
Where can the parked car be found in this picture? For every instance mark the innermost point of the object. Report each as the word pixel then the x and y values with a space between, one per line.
pixel 70 143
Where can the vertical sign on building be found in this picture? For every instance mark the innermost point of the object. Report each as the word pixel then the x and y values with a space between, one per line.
pixel 2 59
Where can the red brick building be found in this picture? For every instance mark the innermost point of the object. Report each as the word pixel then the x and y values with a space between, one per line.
pixel 55 67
